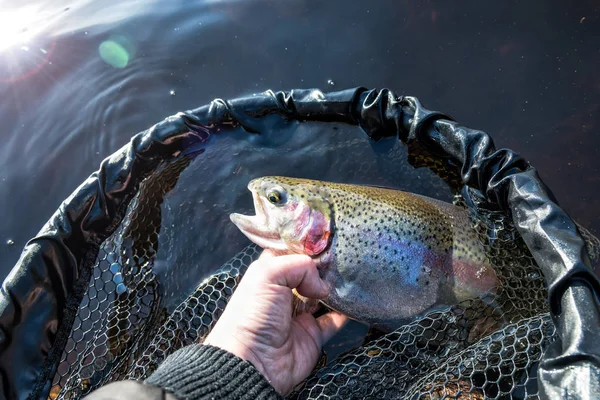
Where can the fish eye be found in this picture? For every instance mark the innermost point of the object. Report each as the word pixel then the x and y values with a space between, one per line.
pixel 274 197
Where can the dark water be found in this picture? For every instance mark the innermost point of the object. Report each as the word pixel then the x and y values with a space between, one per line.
pixel 526 72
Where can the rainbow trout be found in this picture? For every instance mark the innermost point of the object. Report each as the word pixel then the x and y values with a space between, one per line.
pixel 387 255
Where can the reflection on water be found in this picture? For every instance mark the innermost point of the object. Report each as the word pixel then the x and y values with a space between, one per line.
pixel 14 28
pixel 77 79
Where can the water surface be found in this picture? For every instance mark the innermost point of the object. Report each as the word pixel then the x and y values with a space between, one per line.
pixel 79 78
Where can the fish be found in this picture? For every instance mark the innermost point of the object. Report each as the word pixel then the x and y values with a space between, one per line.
pixel 388 256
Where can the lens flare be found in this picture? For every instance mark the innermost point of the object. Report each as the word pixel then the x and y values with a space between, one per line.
pixel 25 47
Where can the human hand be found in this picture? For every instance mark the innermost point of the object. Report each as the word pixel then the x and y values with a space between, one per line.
pixel 257 324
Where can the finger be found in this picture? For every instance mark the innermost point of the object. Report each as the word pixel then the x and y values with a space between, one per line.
pixel 296 272
pixel 330 324
pixel 267 253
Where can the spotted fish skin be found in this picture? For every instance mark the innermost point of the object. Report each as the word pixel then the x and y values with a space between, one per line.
pixel 390 255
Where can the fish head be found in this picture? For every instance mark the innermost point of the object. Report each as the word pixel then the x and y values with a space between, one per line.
pixel 292 216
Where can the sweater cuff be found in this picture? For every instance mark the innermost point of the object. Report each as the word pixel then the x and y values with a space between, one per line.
pixel 206 372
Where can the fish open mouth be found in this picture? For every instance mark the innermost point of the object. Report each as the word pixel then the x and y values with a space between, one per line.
pixel 258 228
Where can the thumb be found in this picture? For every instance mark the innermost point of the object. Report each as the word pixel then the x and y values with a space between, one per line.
pixel 295 272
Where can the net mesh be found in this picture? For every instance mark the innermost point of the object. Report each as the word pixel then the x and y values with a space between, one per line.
pixel 471 351
pixel 154 287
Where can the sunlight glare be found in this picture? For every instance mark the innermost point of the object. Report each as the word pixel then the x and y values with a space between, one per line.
pixel 15 27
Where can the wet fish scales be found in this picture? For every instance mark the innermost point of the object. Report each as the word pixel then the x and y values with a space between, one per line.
pixel 387 255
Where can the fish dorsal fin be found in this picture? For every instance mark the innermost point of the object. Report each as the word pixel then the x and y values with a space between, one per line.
pixel 381 187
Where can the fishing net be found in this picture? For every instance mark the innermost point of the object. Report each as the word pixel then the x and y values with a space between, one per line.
pixel 164 276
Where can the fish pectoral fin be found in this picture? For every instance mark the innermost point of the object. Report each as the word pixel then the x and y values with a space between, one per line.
pixel 301 304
